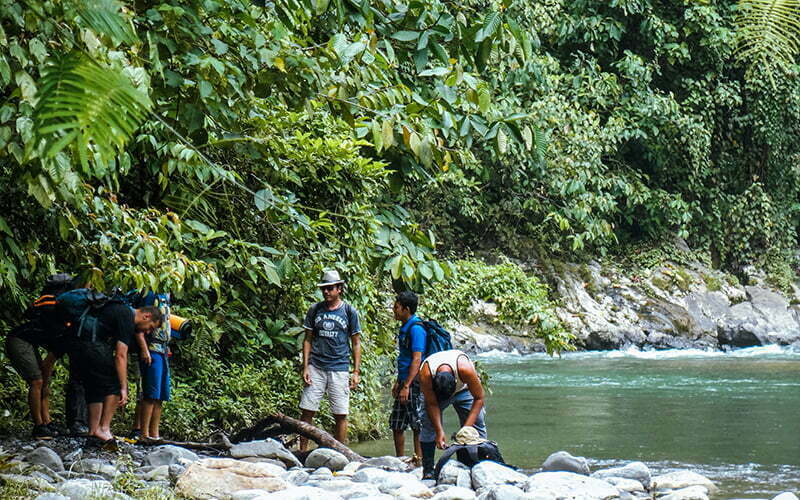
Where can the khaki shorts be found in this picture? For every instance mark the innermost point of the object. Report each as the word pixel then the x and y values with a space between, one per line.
pixel 335 384
pixel 25 358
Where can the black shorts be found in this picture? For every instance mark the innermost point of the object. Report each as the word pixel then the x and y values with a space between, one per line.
pixel 95 369
pixel 406 416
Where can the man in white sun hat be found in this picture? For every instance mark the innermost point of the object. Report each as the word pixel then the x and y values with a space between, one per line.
pixel 333 332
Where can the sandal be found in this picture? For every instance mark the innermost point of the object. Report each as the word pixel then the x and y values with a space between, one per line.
pixel 110 445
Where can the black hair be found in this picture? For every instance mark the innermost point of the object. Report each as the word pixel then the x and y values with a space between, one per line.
pixel 409 300
pixel 155 314
pixel 444 385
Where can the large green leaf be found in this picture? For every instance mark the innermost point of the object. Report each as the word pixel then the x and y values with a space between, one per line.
pixel 768 31
pixel 105 17
pixel 85 105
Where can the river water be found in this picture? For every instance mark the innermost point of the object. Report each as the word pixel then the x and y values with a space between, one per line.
pixel 733 417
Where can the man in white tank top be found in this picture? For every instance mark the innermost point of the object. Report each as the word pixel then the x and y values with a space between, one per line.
pixel 448 378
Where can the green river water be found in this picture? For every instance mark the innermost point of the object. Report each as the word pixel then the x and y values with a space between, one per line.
pixel 733 417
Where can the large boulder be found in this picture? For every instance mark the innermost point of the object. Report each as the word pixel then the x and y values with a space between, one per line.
pixel 637 471
pixel 563 461
pixel 221 477
pixel 690 493
pixel 570 485
pixel 452 471
pixel 387 463
pixel 487 474
pixel 46 457
pixel 682 479
pixel 326 457
pixel 624 484
pixel 267 448
pixel 169 455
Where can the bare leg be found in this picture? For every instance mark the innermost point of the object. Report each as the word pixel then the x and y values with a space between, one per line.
pixel 137 420
pixel 308 417
pixel 417 445
pixel 109 407
pixel 94 410
pixel 155 420
pixel 399 442
pixel 46 404
pixel 341 428
pixel 147 416
pixel 35 400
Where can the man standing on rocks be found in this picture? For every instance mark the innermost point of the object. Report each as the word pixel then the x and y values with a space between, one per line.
pixel 332 327
pixel 407 400
pixel 448 378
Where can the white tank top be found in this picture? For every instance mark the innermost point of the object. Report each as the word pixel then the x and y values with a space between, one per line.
pixel 449 358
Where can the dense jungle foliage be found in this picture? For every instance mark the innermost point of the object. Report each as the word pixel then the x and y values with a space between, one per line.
pixel 228 151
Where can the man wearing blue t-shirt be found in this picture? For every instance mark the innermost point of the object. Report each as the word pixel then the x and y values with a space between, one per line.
pixel 331 326
pixel 411 345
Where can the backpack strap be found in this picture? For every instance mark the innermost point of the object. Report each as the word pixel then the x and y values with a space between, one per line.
pixel 448 452
pixel 421 323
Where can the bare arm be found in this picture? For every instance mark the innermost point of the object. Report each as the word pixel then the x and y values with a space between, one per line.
pixel 143 349
pixel 413 370
pixel 47 370
pixel 121 363
pixel 432 405
pixel 467 373
pixel 355 342
pixel 307 355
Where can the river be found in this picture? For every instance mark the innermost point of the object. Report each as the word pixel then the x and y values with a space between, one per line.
pixel 733 417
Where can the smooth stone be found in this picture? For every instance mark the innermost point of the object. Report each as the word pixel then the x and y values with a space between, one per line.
pixel 301 493
pixel 487 474
pixel 221 477
pixel 370 475
pixel 387 463
pixel 249 494
pixel 570 485
pixel 263 460
pixel 73 456
pixel 348 489
pixel 47 457
pixel 682 479
pixel 625 484
pixel 296 477
pixel 51 496
pixel 80 489
pixel 786 495
pixel 350 469
pixel 634 470
pixel 503 492
pixel 267 448
pixel 450 472
pixel 160 473
pixel 696 492
pixel 95 466
pixel 168 454
pixel 46 477
pixel 326 457
pixel 412 490
pixel 455 493
pixel 563 461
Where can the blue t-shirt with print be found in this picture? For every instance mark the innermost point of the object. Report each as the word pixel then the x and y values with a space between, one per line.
pixel 330 347
pixel 417 335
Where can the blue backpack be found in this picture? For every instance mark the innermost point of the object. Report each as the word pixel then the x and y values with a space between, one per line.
pixel 436 337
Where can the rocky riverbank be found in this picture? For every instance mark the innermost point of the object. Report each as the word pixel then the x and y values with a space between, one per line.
pixel 62 470
pixel 677 304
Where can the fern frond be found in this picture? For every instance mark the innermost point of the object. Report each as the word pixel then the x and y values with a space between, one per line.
pixel 105 17
pixel 768 31
pixel 87 106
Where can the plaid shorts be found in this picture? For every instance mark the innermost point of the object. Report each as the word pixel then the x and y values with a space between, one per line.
pixel 407 415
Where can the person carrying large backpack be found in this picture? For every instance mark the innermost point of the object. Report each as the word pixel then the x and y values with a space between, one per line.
pixel 98 348
pixel 22 348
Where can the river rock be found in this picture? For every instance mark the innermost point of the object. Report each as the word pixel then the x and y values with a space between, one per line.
pixel 301 493
pixel 563 461
pixel 570 485
pixel 160 473
pixel 682 479
pixel 487 474
pixel 249 494
pixel 787 495
pixel 168 454
pixel 455 493
pixel 81 489
pixel 221 477
pixel 690 493
pixel 347 489
pixel 504 492
pixel 31 483
pixel 370 475
pixel 51 496
pixel 387 463
pixel 267 448
pixel 296 477
pixel 451 471
pixel 625 484
pixel 263 460
pixel 412 490
pixel 95 466
pixel 47 457
pixel 635 470
pixel 326 457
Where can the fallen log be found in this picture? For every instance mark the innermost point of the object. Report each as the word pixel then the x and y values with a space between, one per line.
pixel 219 443
pixel 278 424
